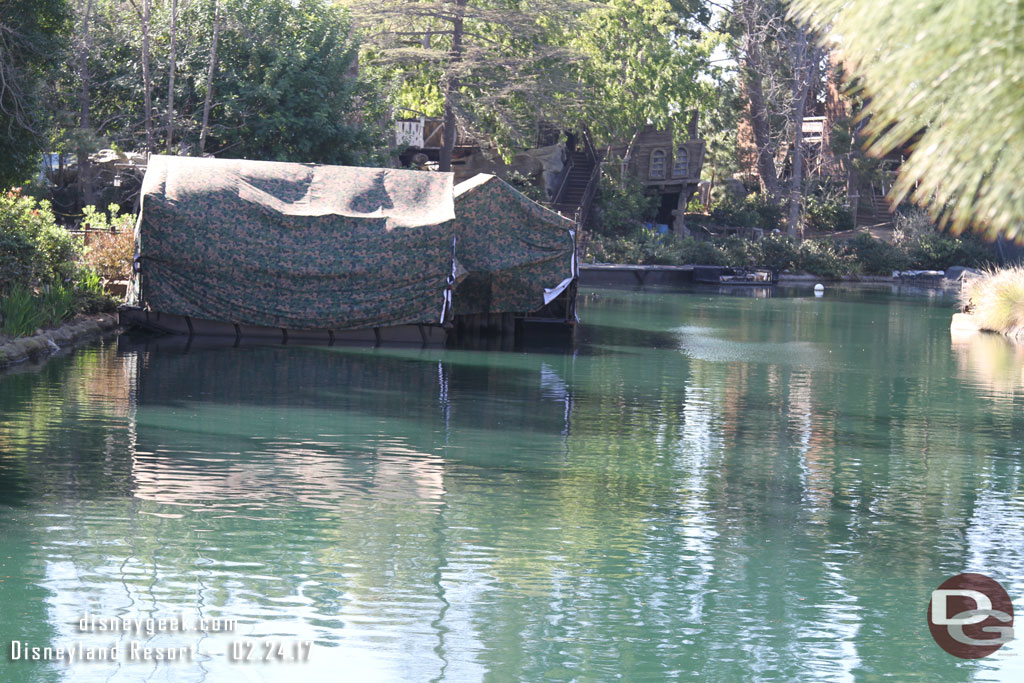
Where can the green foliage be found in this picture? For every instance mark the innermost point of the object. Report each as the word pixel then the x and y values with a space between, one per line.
pixel 636 68
pixel 753 211
pixel 89 294
pixel 876 256
pixel 31 49
pixel 527 185
pixel 824 258
pixel 824 214
pixel 34 250
pixel 57 303
pixel 509 67
pixel 948 75
pixel 284 85
pixel 111 242
pixel 778 251
pixel 20 312
pixel 621 206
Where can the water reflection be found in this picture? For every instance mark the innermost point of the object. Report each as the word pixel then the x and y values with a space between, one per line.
pixel 715 487
pixel 990 361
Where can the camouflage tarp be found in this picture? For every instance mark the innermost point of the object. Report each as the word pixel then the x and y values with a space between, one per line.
pixel 518 254
pixel 294 245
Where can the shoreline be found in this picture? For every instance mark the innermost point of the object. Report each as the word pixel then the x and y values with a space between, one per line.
pixel 39 347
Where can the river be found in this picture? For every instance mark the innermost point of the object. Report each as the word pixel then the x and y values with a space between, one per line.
pixel 711 487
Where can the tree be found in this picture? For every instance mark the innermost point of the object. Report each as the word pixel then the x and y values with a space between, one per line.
pixel 269 79
pixel 286 87
pixel 208 97
pixel 950 76
pixel 636 68
pixel 490 66
pixel 30 52
pixel 780 70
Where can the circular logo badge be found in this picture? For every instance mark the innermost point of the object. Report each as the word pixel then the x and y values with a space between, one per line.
pixel 970 616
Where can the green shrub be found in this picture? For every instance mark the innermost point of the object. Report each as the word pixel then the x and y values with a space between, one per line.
pixel 741 252
pixel 621 207
pixel 937 252
pixel 778 251
pixel 753 211
pixel 824 258
pixel 34 250
pixel 876 256
pixel 522 182
pixel 89 294
pixel 824 214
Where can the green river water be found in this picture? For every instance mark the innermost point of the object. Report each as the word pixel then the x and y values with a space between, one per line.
pixel 711 487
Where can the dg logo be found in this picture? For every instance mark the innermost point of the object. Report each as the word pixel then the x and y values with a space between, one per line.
pixel 970 616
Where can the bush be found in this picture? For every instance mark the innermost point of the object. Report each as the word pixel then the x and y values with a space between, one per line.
pixel 522 182
pixel 753 211
pixel 824 258
pixel 741 252
pixel 778 251
pixel 876 256
pixel 621 207
pixel 111 243
pixel 996 299
pixel 89 294
pixel 34 250
pixel 824 214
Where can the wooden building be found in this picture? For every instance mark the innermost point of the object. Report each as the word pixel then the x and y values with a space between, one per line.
pixel 667 168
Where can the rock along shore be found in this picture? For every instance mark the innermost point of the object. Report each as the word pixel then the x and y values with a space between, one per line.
pixel 81 329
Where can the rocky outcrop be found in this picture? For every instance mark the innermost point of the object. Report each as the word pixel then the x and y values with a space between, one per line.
pixel 48 342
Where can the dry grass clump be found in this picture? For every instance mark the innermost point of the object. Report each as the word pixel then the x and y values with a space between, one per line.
pixel 996 300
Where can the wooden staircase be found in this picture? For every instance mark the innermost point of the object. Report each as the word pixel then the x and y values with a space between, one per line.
pixel 579 182
pixel 872 207
pixel 570 197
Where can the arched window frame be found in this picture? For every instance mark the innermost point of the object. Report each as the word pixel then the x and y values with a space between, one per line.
pixel 681 165
pixel 659 160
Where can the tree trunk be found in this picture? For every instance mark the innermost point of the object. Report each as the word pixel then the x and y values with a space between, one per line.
pixel 147 99
pixel 753 88
pixel 803 58
pixel 170 77
pixel 451 86
pixel 208 101
pixel 84 117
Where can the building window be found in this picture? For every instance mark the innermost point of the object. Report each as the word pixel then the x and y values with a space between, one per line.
pixel 657 165
pixel 680 168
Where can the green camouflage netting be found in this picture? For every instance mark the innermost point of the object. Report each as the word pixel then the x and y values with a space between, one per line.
pixel 294 245
pixel 518 254
pixel 305 247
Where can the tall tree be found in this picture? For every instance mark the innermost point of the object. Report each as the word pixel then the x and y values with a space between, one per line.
pixel 30 53
pixel 172 65
pixel 268 79
pixel 211 72
pixel 953 74
pixel 495 66
pixel 145 15
pixel 779 71
pixel 637 67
